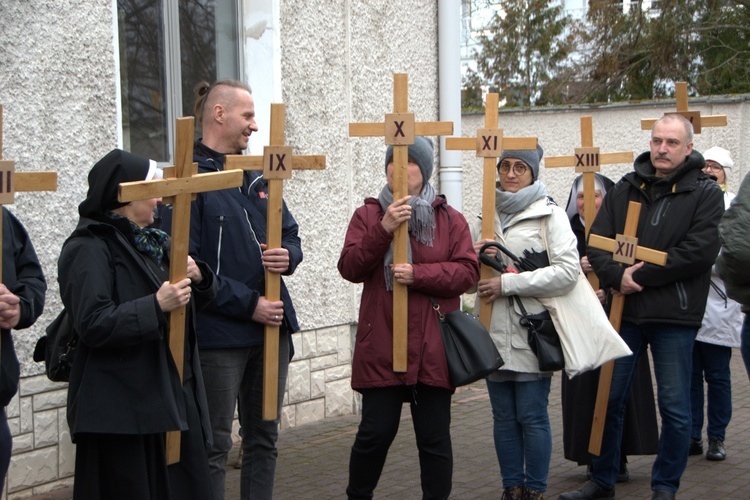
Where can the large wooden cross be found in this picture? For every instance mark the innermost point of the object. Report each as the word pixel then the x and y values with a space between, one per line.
pixel 12 182
pixel 179 189
pixel 587 159
pixel 489 144
pixel 625 249
pixel 399 129
pixel 695 117
pixel 277 164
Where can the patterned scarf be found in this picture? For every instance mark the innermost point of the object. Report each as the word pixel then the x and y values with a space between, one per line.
pixel 147 240
pixel 150 241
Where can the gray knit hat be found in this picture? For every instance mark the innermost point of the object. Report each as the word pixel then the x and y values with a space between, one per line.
pixel 421 152
pixel 531 158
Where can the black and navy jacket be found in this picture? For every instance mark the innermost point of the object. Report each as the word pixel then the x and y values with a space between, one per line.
pixel 679 215
pixel 226 230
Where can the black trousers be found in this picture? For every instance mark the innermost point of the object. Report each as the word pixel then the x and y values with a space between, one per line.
pixel 381 413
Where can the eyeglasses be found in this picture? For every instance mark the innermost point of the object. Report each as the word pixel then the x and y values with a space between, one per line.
pixel 714 167
pixel 519 168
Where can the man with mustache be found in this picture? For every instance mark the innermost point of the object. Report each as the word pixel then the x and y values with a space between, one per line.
pixel 664 306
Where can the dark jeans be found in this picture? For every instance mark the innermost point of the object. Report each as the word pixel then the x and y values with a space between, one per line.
pixel 229 375
pixel 523 437
pixel 381 413
pixel 672 351
pixel 711 361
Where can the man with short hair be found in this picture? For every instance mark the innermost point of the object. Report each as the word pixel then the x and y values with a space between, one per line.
pixel 228 232
pixel 664 305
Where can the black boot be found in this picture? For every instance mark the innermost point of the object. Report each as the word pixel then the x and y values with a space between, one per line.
pixel 696 447
pixel 716 450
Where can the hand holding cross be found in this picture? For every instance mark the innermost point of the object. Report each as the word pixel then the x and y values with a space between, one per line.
pixel 399 129
pixel 12 182
pixel 277 164
pixel 489 144
pixel 180 189
pixel 624 249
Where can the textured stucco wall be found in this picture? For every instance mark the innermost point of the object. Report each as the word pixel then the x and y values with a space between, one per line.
pixel 616 128
pixel 57 87
pixel 338 61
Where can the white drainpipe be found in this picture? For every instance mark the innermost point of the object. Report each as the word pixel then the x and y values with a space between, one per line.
pixel 449 83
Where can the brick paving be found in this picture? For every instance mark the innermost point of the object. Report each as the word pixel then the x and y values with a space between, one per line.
pixel 313 459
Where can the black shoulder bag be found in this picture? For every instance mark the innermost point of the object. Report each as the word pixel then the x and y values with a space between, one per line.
pixel 58 348
pixel 469 350
pixel 542 336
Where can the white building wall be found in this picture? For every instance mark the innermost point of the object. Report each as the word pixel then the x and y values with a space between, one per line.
pixel 337 57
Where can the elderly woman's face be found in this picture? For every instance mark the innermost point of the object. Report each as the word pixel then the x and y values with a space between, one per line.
pixel 597 202
pixel 140 212
pixel 413 177
pixel 515 174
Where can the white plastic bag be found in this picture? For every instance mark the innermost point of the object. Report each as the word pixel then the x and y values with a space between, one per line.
pixel 587 337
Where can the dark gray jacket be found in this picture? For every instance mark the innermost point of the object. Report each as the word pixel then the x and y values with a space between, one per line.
pixel 734 261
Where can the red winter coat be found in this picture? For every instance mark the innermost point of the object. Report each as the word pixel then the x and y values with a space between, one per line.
pixel 443 271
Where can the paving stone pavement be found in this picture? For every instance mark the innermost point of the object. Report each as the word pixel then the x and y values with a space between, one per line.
pixel 313 458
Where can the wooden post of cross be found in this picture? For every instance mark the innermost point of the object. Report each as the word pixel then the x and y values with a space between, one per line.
pixel 12 182
pixel 587 159
pixel 489 144
pixel 624 249
pixel 399 129
pixel 180 190
pixel 695 117
pixel 277 163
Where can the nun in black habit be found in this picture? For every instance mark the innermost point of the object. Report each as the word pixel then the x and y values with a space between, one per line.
pixel 125 393
pixel 641 433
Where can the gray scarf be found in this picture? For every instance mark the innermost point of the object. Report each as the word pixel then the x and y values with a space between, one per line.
pixel 509 204
pixel 421 224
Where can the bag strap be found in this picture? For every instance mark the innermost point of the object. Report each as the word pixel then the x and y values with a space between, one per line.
pixel 436 308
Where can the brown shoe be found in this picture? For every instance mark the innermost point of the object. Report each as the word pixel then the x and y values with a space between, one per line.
pixel 533 495
pixel 513 493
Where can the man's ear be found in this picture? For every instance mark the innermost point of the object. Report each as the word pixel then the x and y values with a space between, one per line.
pixel 219 113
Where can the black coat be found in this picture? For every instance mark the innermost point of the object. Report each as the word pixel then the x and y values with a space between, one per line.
pixel 679 215
pixel 23 276
pixel 124 380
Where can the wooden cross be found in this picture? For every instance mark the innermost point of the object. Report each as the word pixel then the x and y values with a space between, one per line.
pixel 695 117
pixel 179 190
pixel 12 182
pixel 277 164
pixel 587 159
pixel 399 129
pixel 489 144
pixel 625 250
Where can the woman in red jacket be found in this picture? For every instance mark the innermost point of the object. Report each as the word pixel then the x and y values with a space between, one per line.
pixel 443 265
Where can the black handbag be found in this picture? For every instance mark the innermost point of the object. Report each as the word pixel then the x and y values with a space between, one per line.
pixel 542 338
pixel 469 350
